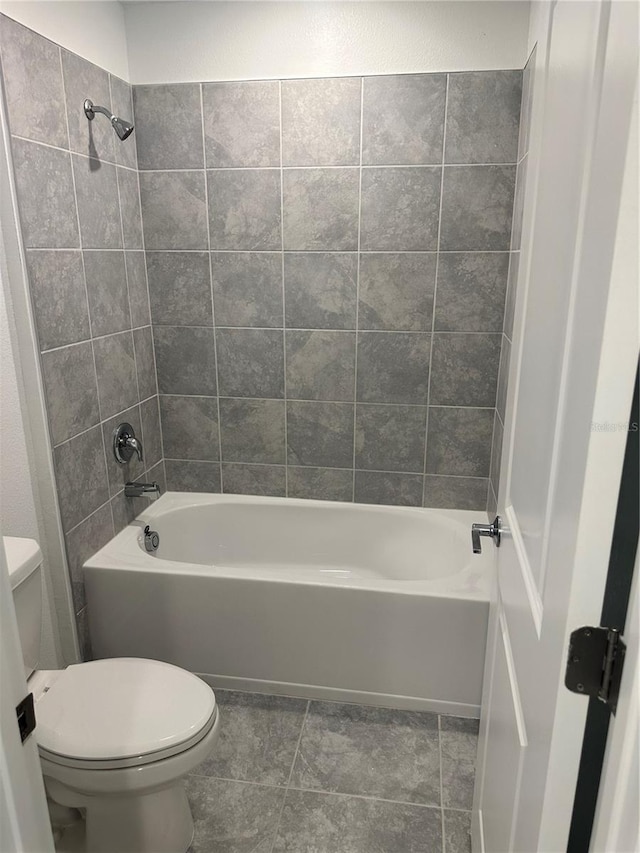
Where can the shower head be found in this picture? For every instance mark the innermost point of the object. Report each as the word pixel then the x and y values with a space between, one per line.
pixel 122 128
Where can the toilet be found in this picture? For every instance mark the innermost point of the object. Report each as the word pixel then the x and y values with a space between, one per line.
pixel 116 737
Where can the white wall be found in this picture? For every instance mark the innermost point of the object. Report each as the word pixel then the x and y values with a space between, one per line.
pixel 191 41
pixel 91 28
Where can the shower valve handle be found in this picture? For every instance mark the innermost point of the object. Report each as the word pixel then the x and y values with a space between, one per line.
pixel 493 530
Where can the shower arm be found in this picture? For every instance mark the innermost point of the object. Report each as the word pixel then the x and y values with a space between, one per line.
pixel 90 110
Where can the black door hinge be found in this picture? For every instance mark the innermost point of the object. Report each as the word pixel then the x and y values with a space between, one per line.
pixel 26 714
pixel 594 664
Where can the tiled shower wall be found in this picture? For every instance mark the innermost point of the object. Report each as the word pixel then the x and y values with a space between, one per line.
pixel 78 196
pixel 327 264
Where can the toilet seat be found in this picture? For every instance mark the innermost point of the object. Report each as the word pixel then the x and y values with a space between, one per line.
pixel 122 712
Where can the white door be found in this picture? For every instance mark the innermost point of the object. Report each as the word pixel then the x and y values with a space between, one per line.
pixel 576 318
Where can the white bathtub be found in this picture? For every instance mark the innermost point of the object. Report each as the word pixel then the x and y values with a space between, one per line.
pixel 382 605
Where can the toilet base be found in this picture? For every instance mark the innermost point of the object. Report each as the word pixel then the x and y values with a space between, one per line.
pixel 157 822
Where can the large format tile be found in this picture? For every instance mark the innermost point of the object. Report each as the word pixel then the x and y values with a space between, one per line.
pixel 471 291
pixel 190 428
pixel 250 362
pixel 390 438
pixel 47 201
pixel 81 476
pixel 459 441
pixel 483 110
pixel 185 476
pixel 83 542
pixel 464 369
pixel 180 288
pixel 259 737
pixel 82 80
pixel 325 484
pixel 174 210
pixel 185 360
pixel 512 290
pixel 329 823
pixel 403 119
pixel 168 124
pixel 400 209
pixel 321 122
pixel 393 367
pixel 151 432
pixel 240 479
pixel 373 487
pixel 321 209
pixel 320 290
pixel 56 283
pixel 247 288
pixel 245 209
pixel 503 377
pixel 496 453
pixel 518 204
pixel 320 434
pixel 477 205
pixel 457 831
pixel 116 372
pixel 396 291
pixel 378 752
pixel 98 203
pixel 129 189
pixel 242 123
pixel 69 380
pixel 32 76
pixel 233 817
pixel 458 743
pixel 320 365
pixel 138 290
pixel 455 492
pixel 107 291
pixel 145 362
pixel 122 105
pixel 252 430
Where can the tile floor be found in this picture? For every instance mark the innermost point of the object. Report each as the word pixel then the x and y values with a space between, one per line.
pixel 291 776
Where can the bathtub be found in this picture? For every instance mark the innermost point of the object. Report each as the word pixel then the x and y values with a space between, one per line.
pixel 371 604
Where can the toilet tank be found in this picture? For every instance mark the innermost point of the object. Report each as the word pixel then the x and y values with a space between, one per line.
pixel 24 560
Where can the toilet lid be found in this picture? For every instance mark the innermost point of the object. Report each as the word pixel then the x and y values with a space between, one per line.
pixel 122 708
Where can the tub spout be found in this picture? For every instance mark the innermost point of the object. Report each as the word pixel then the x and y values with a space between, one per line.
pixel 142 490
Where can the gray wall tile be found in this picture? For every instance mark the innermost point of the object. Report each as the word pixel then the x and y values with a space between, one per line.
pixel 190 428
pixel 518 204
pixel 247 288
pixel 174 211
pixel 321 122
pixel 168 122
pixel 324 484
pixel 483 111
pixel 192 476
pixel 250 362
pixel 320 365
pixel 254 479
pixel 459 441
pixel 477 203
pixel 145 362
pixel 44 184
pixel 403 119
pixel 245 209
pixel 503 377
pixel 122 105
pixel 400 209
pixel 455 492
pixel 69 381
pixel 129 190
pixel 320 290
pixel 56 281
pixel 471 291
pixel 180 288
pixel 119 474
pixel 396 291
pixel 81 476
pixel 512 288
pixel 82 543
pixel 107 291
pixel 157 474
pixel 185 360
pixel 98 203
pixel 393 367
pixel 124 510
pixel 390 438
pixel 138 291
pixel 242 124
pixel 321 209
pixel 464 369
pixel 151 431
pixel 252 430
pixel 373 487
pixel 320 434
pixel 496 454
pixel 32 75
pixel 82 80
pixel 116 370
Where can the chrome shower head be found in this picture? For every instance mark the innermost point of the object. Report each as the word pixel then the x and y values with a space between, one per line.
pixel 122 128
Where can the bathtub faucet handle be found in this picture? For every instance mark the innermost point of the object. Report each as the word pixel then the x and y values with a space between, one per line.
pixel 493 530
pixel 125 444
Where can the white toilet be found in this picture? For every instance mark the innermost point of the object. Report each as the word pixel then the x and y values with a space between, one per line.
pixel 116 737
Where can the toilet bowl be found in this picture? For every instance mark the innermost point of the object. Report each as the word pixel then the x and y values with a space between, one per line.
pixel 116 737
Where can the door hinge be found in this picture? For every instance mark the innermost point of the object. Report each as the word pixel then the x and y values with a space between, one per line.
pixel 594 664
pixel 26 714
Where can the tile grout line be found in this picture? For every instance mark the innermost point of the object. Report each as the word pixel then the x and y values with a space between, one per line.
pixel 284 329
pixel 357 317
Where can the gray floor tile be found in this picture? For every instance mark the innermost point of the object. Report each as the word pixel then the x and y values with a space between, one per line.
pixel 353 749
pixel 329 823
pixel 258 737
pixel 458 744
pixel 233 817
pixel 457 829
